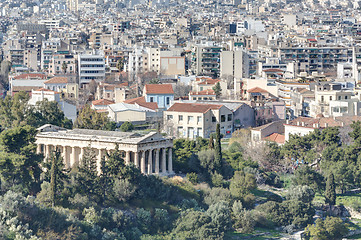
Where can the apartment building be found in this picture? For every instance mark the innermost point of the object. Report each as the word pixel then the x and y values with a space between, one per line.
pixel 62 62
pixel 91 67
pixel 315 59
pixel 191 120
pixel 206 60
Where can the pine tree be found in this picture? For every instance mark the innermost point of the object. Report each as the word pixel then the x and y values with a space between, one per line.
pixel 330 193
pixel 211 142
pixel 217 146
pixel 87 173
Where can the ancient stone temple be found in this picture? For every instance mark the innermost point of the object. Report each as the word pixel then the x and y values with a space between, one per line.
pixel 151 153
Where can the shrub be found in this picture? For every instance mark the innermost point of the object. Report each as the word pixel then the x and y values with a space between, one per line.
pixel 192 177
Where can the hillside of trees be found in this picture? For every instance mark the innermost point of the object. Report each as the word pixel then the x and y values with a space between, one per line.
pixel 220 192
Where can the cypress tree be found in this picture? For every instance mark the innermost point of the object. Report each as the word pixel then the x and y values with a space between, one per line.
pixel 104 179
pixel 211 142
pixel 54 172
pixel 217 147
pixel 330 193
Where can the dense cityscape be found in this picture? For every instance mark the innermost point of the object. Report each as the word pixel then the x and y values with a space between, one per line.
pixel 174 119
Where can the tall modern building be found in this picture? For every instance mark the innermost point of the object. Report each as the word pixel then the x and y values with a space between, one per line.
pixel 91 67
pixel 234 64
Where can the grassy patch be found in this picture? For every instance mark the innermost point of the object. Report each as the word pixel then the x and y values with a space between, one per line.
pixel 353 201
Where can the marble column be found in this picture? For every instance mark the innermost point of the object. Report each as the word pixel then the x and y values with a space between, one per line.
pixel 170 164
pixel 38 149
pixel 48 151
pixel 82 150
pixel 150 161
pixel 66 158
pixel 127 157
pixel 142 163
pixel 136 159
pixel 74 161
pixel 157 161
pixel 164 159
pixel 100 155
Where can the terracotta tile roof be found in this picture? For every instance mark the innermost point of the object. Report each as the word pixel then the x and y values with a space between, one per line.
pixel 257 90
pixel 207 81
pixel 158 89
pixel 31 75
pixel 204 92
pixel 150 105
pixel 102 102
pixel 276 137
pixel 141 102
pixel 108 86
pixel 57 80
pixel 135 100
pixel 193 107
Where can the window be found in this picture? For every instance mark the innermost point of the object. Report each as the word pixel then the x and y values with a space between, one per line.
pixel 345 97
pixel 168 101
pixel 322 98
pixel 180 118
pixel 199 119
pixel 223 118
pixel 169 117
pixel 339 97
pixel 330 98
pixel 151 99
pixel 190 119
pixel 180 131
pixel 229 117
pixel 214 119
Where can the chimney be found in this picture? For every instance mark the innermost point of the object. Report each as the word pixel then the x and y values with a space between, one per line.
pixel 303 124
pixel 298 123
pixel 287 121
pixel 326 125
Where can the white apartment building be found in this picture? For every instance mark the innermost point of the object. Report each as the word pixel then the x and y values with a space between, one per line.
pixel 91 67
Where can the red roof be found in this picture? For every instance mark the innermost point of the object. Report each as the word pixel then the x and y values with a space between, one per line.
pixel 276 137
pixel 57 80
pixel 207 81
pixel 141 102
pixel 102 102
pixel 158 89
pixel 31 75
pixel 257 90
pixel 193 107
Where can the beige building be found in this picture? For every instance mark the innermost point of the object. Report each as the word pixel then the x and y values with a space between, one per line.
pixel 152 153
pixel 191 120
pixel 172 65
pixel 62 64
pixel 234 64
